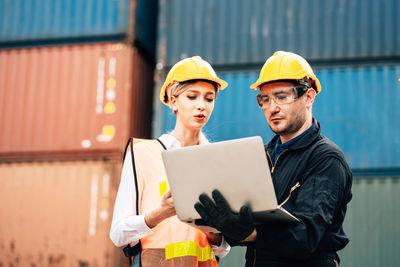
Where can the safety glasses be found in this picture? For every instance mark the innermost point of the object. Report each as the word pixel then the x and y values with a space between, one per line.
pixel 283 97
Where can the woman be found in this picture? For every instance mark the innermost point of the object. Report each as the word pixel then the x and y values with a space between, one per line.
pixel 144 213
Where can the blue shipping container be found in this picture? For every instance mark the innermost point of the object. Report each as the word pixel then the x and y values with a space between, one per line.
pixel 241 32
pixel 358 109
pixel 30 21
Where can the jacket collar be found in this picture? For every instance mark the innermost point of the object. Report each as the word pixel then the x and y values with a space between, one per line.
pixel 306 140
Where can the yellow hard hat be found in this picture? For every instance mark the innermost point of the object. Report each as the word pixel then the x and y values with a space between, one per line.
pixel 286 66
pixel 193 68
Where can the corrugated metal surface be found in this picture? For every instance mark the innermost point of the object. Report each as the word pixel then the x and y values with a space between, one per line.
pixel 73 99
pixel 372 224
pixel 45 19
pixel 31 21
pixel 235 258
pixel 146 23
pixel 358 109
pixel 242 32
pixel 58 213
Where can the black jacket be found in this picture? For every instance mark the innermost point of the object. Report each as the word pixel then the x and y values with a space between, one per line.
pixel 319 203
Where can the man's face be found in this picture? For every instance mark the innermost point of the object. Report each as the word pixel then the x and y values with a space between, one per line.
pixel 285 120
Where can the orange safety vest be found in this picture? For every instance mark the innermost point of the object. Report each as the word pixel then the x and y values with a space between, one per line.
pixel 181 242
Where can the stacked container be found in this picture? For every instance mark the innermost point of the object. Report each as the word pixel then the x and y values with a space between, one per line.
pixel 76 81
pixel 354 48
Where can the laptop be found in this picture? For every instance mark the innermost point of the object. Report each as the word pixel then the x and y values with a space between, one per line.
pixel 237 168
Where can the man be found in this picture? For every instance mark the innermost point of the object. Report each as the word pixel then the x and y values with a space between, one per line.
pixel 310 174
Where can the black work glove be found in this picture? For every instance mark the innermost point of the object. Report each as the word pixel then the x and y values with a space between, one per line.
pixel 220 216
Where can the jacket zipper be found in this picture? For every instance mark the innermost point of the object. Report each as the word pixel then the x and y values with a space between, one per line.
pixel 273 165
pixel 272 172
pixel 254 262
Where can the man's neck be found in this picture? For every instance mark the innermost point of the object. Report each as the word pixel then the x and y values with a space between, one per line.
pixel 307 124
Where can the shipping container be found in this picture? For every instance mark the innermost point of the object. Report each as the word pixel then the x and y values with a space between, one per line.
pixel 234 32
pixel 235 258
pixel 372 224
pixel 146 25
pixel 42 21
pixel 58 213
pixel 72 100
pixel 357 108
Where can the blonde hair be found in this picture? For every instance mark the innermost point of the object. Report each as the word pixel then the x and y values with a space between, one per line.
pixel 178 88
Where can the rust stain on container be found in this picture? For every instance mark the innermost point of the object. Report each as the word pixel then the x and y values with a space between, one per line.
pixel 73 100
pixel 58 213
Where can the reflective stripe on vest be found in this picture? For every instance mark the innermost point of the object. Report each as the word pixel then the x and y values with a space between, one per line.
pixel 189 248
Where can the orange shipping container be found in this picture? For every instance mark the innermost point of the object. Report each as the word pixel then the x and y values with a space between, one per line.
pixel 73 100
pixel 58 213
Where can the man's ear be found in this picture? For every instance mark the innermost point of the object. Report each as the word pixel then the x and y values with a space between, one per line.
pixel 310 96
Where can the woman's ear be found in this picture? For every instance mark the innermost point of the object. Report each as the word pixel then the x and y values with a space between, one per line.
pixel 172 104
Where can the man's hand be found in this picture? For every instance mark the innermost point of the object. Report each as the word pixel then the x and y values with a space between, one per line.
pixel 220 216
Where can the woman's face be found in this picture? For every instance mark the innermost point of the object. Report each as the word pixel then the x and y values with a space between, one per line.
pixel 193 107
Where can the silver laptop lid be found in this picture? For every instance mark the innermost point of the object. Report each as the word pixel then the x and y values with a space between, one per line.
pixel 237 168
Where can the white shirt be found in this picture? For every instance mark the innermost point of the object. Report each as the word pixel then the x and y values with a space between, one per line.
pixel 126 226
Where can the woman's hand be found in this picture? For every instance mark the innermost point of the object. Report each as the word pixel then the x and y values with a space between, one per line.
pixel 167 205
pixel 165 210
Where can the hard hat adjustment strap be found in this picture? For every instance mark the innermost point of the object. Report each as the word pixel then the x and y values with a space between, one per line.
pixel 306 82
pixel 309 82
